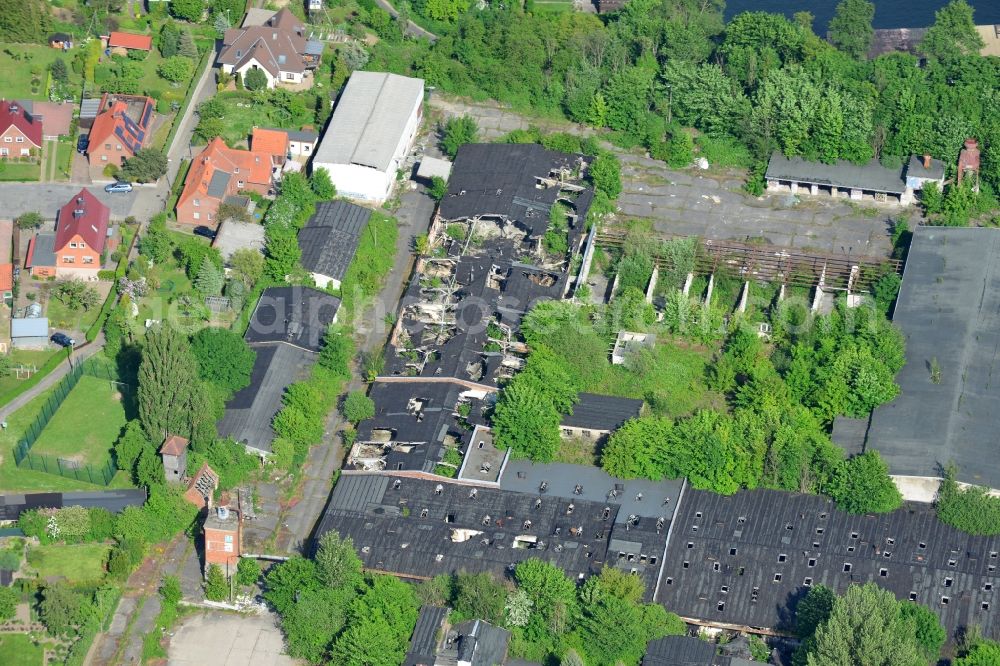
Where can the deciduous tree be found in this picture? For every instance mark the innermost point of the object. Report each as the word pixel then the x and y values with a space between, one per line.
pixel 851 27
pixel 147 166
pixel 223 357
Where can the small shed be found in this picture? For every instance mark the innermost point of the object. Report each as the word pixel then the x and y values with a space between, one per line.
pixel 174 453
pixel 130 41
pixel 433 166
pixel 29 332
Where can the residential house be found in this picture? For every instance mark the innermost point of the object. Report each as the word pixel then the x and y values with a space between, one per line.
pixel 370 134
pixel 121 127
pixel 81 234
pixel 279 48
pixel 129 41
pixel 219 172
pixel 330 239
pixel 274 142
pixel 20 132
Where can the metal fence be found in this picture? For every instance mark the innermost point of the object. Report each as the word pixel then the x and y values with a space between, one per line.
pixel 40 462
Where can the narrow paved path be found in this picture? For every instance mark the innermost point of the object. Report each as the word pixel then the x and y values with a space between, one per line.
pixel 80 354
pixel 412 28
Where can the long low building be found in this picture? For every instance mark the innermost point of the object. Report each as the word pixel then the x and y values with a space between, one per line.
pixel 370 133
pixel 11 505
pixel 948 309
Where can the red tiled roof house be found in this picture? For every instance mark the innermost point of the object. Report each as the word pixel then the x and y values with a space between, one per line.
pixel 219 172
pixel 81 232
pixel 20 132
pixel 120 129
pixel 130 41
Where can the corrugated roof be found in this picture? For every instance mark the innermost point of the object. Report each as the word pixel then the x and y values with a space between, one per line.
pixel 29 327
pixel 679 651
pixel 297 315
pixel 330 238
pixel 369 121
pixel 423 643
pixel 842 174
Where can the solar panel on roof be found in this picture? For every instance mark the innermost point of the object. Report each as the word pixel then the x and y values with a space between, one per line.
pixel 145 115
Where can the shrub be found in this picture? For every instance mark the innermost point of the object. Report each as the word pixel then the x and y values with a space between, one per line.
pixel 358 407
pixel 971 510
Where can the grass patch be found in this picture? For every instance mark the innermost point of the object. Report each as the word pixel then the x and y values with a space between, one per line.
pixel 371 264
pixel 553 6
pixel 723 152
pixel 60 316
pixel 578 451
pixel 64 159
pixel 77 563
pixel 23 70
pixel 242 115
pixel 27 358
pixel 20 172
pixel 86 424
pixel 19 650
pixel 170 282
pixel 671 380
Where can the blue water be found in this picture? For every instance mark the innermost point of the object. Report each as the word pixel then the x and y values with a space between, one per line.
pixel 888 13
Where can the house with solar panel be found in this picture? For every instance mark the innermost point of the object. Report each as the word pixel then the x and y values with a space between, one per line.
pixel 122 126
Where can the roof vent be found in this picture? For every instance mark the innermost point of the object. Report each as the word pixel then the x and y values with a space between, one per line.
pixel 78 213
pixel 274 35
pixel 79 200
pixel 223 512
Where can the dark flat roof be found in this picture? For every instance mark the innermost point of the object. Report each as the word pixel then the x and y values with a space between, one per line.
pixel 297 315
pixel 330 238
pixel 949 310
pixel 11 505
pixel 844 174
pixel 249 413
pixel 725 553
pixel 679 651
pixel 601 412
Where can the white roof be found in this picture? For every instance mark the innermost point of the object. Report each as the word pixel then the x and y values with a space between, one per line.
pixel 370 120
pixel 433 166
pixel 31 327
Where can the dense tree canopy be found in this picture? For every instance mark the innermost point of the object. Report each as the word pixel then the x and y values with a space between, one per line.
pixel 223 358
pixel 167 383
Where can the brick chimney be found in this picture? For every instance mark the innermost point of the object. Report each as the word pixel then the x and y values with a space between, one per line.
pixel 927 160
pixel 968 161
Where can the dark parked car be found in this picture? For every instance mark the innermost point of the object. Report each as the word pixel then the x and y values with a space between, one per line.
pixel 82 143
pixel 207 232
pixel 120 186
pixel 63 340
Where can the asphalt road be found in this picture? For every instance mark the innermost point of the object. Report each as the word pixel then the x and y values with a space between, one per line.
pixel 48 198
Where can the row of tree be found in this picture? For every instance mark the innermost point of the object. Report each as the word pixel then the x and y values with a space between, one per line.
pixel 765 80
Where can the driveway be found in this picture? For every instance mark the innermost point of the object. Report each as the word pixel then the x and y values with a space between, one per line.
pixel 228 639
pixel 48 198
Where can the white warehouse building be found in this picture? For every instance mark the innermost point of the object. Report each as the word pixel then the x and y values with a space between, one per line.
pixel 371 131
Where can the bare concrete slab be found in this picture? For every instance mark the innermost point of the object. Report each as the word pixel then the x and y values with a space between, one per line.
pixel 228 639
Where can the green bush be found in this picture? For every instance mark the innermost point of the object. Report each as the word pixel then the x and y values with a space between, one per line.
pixel 972 510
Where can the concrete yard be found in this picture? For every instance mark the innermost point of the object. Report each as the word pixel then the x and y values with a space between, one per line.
pixel 691 203
pixel 227 639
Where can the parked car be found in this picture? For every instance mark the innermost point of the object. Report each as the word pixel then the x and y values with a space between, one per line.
pixel 82 143
pixel 207 232
pixel 63 340
pixel 117 187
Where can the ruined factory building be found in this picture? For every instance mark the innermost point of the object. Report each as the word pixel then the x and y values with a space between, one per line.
pixel 745 560
pixel 948 310
pixel 419 528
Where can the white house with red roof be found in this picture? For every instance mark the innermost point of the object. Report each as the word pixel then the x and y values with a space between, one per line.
pixel 20 132
pixel 81 234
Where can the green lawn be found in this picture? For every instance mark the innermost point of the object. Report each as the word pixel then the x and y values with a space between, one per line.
pixel 553 6
pixel 86 425
pixel 23 69
pixel 242 115
pixel 18 650
pixel 673 386
pixel 27 358
pixel 172 282
pixel 62 317
pixel 20 171
pixel 64 157
pixel 77 563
